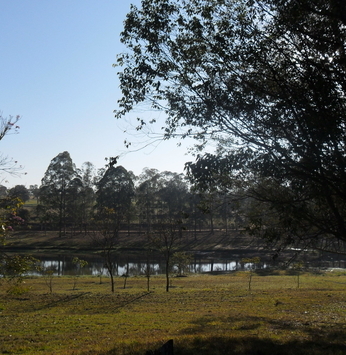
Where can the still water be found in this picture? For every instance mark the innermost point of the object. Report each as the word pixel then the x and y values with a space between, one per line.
pixel 65 266
pixel 206 263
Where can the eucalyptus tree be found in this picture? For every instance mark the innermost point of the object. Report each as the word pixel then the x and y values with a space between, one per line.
pixel 147 195
pixel 87 195
pixel 196 215
pixel 114 197
pixel 173 195
pixel 115 191
pixel 265 79
pixel 59 188
pixel 75 204
pixel 208 206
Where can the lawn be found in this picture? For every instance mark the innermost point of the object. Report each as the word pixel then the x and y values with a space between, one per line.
pixel 203 314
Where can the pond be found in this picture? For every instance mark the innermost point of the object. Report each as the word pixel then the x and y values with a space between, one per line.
pixel 95 268
pixel 202 263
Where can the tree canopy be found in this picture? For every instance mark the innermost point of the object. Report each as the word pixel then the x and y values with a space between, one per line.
pixel 19 191
pixel 115 191
pixel 59 187
pixel 266 81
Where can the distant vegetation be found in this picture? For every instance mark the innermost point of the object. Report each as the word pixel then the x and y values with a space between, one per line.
pixel 78 199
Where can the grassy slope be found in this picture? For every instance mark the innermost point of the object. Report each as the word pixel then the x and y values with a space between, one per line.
pixel 204 314
pixel 134 241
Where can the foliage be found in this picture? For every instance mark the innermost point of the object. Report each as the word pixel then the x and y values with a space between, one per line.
pixel 48 273
pixel 85 200
pixel 173 195
pixel 19 191
pixel 59 188
pixel 25 215
pixel 34 191
pixel 66 196
pixel 8 216
pixel 181 260
pixel 166 239
pixel 8 205
pixel 115 191
pixel 71 199
pixel 80 263
pixel 104 238
pixel 13 269
pixel 147 196
pixel 264 79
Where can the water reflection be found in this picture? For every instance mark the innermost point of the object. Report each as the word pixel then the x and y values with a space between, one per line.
pixel 202 263
pixel 64 266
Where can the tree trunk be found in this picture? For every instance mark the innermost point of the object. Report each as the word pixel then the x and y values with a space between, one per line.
pixel 167 275
pixel 112 280
pixel 148 283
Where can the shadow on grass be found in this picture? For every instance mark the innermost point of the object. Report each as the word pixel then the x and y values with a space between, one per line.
pixel 201 345
pixel 57 300
pixel 196 340
pixel 255 346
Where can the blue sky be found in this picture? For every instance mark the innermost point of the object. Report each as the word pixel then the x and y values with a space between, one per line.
pixel 56 73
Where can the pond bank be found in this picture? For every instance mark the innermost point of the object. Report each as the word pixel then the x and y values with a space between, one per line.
pixel 218 250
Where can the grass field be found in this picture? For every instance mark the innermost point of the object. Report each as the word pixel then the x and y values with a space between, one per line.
pixel 203 314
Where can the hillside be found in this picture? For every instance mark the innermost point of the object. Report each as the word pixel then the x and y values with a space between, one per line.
pixel 202 241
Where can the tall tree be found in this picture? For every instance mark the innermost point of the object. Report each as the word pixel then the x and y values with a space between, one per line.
pixel 174 195
pixel 147 195
pixel 86 196
pixel 75 203
pixel 266 80
pixel 115 191
pixel 58 187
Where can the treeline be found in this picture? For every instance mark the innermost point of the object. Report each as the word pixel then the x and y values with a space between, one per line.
pixel 72 200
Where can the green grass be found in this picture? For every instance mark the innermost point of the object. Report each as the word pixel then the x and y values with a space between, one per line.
pixel 203 314
pixel 30 203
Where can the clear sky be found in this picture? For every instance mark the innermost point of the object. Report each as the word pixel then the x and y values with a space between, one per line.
pixel 56 73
